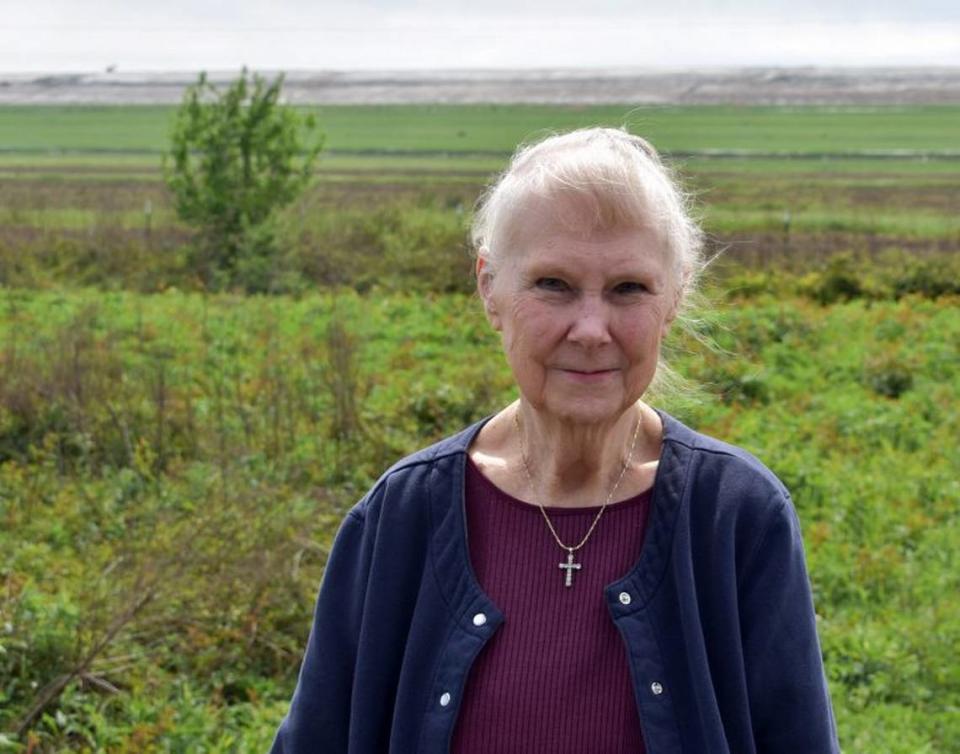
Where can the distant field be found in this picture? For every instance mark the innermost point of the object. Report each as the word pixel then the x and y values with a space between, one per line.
pixel 791 184
pixel 495 130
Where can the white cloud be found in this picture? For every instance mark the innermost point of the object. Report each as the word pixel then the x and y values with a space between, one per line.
pixel 62 35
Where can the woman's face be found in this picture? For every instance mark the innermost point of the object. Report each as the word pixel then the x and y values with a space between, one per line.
pixel 582 317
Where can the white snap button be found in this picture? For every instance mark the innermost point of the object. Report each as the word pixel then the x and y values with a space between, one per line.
pixel 444 699
pixel 656 688
pixel 625 598
pixel 479 619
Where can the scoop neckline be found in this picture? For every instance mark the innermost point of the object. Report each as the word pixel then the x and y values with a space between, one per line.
pixel 556 510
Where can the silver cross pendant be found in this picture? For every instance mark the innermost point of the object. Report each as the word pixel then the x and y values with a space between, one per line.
pixel 570 567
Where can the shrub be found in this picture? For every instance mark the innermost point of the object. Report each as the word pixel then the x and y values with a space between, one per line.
pixel 236 156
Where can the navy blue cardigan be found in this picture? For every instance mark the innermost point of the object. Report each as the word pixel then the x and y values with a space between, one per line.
pixel 716 615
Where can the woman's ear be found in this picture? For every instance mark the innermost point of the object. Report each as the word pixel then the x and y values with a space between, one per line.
pixel 485 289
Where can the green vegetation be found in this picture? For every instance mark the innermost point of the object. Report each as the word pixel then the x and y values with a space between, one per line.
pixel 212 444
pixel 395 190
pixel 173 464
pixel 498 128
pixel 236 157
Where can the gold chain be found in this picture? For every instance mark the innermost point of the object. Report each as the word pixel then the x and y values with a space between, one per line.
pixel 526 469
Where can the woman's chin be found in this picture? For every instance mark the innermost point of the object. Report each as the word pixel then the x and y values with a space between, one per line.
pixel 585 409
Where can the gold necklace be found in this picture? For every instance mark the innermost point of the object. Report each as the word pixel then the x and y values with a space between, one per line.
pixel 570 566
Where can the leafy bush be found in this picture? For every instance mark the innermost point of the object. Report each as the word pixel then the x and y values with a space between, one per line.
pixel 930 278
pixel 888 376
pixel 839 281
pixel 237 155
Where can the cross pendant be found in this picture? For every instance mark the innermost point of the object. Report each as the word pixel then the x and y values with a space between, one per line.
pixel 570 567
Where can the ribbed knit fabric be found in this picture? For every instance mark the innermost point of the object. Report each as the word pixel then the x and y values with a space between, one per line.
pixel 554 678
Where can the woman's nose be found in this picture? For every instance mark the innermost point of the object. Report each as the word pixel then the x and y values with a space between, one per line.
pixel 590 326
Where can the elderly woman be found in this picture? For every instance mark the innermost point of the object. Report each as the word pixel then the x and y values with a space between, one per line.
pixel 580 572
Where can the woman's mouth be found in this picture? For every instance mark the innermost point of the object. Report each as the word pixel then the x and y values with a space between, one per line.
pixel 588 375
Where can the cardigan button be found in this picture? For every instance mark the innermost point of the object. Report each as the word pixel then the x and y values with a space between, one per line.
pixel 625 598
pixel 444 699
pixel 656 688
pixel 479 619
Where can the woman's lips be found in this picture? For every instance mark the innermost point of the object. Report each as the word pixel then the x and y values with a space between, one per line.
pixel 592 375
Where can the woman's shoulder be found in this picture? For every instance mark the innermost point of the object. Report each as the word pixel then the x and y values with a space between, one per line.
pixel 452 445
pixel 729 495
pixel 710 463
pixel 426 469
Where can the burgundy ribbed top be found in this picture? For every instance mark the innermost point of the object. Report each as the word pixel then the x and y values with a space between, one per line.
pixel 554 678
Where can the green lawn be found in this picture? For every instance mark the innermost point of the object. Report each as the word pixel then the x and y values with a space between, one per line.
pixel 496 129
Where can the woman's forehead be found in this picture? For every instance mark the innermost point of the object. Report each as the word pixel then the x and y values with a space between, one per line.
pixel 576 213
pixel 610 251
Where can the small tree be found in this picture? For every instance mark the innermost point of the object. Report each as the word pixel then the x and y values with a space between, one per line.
pixel 237 155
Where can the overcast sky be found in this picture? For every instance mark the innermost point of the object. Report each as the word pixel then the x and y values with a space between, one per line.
pixel 135 35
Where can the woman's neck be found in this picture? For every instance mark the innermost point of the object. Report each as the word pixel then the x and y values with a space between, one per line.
pixel 572 464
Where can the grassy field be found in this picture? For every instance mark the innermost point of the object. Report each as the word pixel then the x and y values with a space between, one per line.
pixel 494 129
pixel 201 451
pixel 72 208
pixel 173 464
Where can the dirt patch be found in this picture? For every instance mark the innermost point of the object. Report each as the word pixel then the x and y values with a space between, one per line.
pixel 99 196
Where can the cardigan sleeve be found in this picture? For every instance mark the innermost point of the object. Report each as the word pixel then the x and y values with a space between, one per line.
pixel 319 715
pixel 790 705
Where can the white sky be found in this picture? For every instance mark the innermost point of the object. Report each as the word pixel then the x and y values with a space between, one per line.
pixel 135 35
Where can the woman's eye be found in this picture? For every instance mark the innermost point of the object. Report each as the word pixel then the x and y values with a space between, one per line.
pixel 629 287
pixel 551 284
